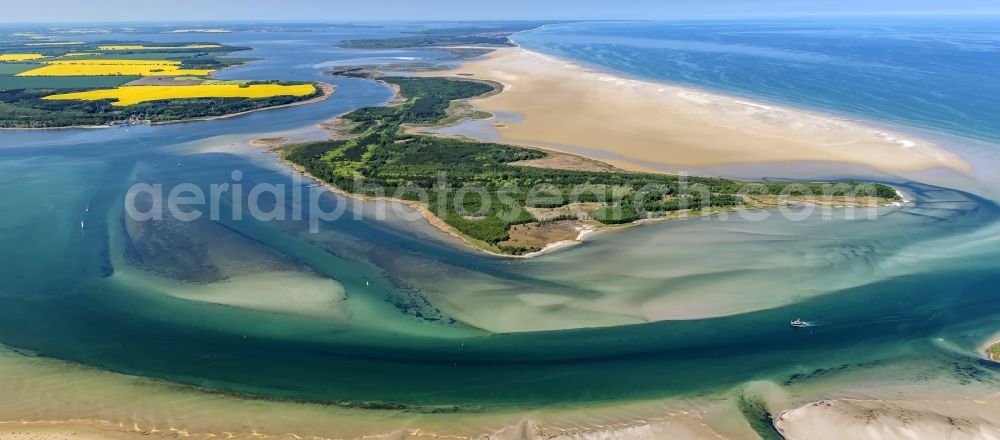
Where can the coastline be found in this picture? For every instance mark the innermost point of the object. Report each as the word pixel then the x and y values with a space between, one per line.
pixel 325 88
pixel 992 349
pixel 566 107
pixel 53 399
pixel 49 399
pixel 488 249
pixel 425 213
pixel 456 116
pixel 837 419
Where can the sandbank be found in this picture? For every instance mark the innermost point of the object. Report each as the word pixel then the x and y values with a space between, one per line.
pixel 893 419
pixel 647 126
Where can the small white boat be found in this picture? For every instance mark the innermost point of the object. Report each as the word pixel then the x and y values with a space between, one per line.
pixel 81 225
pixel 799 323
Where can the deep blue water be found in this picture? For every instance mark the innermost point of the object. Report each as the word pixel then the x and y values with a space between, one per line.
pixel 939 74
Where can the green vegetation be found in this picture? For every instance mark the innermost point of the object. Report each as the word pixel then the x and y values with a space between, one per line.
pixel 10 83
pixel 994 352
pixel 25 108
pixel 210 62
pixel 496 35
pixel 14 69
pixel 430 99
pixel 151 55
pixel 476 187
pixel 173 49
pixel 21 105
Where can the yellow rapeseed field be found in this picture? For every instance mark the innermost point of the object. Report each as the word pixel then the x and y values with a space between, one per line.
pixel 113 67
pixel 20 56
pixel 141 47
pixel 129 95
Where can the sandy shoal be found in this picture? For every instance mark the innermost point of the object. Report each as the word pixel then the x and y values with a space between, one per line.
pixel 47 399
pixel 647 126
pixel 893 419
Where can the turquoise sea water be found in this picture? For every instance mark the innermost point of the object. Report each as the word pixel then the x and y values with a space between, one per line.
pixel 910 296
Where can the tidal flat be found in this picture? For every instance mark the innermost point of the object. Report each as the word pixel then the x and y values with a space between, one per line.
pixel 384 327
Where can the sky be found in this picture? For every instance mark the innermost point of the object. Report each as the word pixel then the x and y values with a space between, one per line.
pixel 46 11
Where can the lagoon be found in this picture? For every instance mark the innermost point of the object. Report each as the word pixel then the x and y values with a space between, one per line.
pixel 391 313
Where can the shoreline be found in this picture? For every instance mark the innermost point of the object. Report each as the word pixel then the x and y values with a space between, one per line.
pixel 485 248
pixel 992 349
pixel 326 91
pixel 52 405
pixel 566 106
pixel 69 407
pixel 840 418
pixel 458 118
pixel 425 213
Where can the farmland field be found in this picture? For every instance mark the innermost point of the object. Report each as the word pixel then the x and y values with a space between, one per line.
pixel 124 96
pixel 131 56
pixel 20 56
pixel 114 67
pixel 142 47
pixel 68 83
pixel 15 68
pixel 8 82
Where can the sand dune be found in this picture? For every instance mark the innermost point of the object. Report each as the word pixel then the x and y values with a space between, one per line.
pixel 648 126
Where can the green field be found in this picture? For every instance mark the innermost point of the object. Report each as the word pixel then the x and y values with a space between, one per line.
pixel 15 68
pixel 134 56
pixel 9 82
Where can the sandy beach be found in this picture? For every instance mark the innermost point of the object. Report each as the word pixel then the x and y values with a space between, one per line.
pixel 895 419
pixel 46 399
pixel 647 126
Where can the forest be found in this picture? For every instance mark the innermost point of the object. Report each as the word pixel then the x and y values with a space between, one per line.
pixel 479 189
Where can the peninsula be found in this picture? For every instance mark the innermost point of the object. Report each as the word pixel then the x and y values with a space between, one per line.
pixel 641 125
pixel 108 83
pixel 513 200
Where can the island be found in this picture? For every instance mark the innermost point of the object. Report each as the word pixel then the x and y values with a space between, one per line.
pixel 481 35
pixel 79 84
pixel 514 200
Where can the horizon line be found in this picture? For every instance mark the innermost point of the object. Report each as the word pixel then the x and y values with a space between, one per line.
pixel 915 14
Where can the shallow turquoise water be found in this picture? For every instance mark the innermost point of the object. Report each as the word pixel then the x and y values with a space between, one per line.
pixel 880 292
